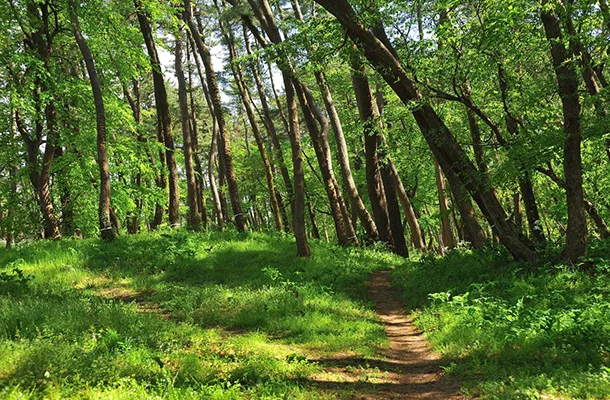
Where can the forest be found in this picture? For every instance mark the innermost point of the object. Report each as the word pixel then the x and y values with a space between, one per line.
pixel 299 199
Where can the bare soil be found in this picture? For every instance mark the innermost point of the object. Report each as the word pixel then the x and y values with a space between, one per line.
pixel 408 368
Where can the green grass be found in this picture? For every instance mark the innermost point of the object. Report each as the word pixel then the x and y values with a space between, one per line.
pixel 181 315
pixel 515 331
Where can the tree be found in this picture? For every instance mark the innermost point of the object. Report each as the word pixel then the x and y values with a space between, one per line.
pixel 164 122
pixel 567 79
pixel 445 148
pixel 223 139
pixel 193 219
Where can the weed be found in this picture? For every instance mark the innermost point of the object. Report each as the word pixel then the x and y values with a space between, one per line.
pixel 512 331
pixel 180 315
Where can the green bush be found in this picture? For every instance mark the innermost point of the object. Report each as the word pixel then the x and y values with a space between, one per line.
pixel 513 330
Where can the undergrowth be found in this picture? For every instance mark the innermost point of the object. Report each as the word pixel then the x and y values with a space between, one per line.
pixel 515 331
pixel 181 315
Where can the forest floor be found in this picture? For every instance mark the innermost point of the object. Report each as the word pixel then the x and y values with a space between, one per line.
pixel 418 373
pixel 177 315
pixel 408 369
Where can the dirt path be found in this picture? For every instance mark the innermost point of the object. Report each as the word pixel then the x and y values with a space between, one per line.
pixel 417 372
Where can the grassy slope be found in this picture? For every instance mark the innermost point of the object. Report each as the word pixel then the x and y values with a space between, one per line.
pixel 180 315
pixel 513 331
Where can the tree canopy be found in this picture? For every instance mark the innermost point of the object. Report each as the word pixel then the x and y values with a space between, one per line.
pixel 423 125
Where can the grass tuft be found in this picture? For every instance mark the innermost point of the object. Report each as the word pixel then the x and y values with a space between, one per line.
pixel 515 331
pixel 180 315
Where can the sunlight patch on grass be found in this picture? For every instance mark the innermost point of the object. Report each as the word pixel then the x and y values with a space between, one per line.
pixel 511 330
pixel 180 315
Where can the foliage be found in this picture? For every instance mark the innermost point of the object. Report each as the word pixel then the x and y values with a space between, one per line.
pixel 180 315
pixel 515 331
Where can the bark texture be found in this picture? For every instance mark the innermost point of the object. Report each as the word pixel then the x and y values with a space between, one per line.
pixel 443 144
pixel 164 122
pixel 567 79
pixel 106 229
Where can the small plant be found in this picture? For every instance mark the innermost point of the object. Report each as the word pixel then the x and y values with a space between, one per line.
pixel 14 282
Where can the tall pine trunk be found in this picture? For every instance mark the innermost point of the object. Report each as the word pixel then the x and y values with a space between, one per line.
pixel 193 216
pixel 106 230
pixel 567 79
pixel 164 123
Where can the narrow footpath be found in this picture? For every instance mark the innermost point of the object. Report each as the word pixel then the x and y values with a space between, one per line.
pixel 418 373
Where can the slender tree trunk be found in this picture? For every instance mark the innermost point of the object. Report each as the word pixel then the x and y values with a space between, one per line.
pixel 315 232
pixel 193 216
pixel 398 235
pixel 278 102
pixel 441 141
pixel 106 230
pixel 350 185
pixel 223 139
pixel 268 121
pixel 443 205
pixel 525 181
pixel 212 178
pixel 201 203
pixel 416 234
pixel 392 183
pixel 565 70
pixel 247 102
pixel 323 155
pixel 10 215
pixel 293 123
pixel 216 194
pixel 348 180
pixel 298 212
pixel 365 102
pixel 474 233
pixel 164 123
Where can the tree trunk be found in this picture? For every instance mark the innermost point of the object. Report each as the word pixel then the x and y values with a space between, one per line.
pixel 298 211
pixel 417 238
pixel 193 217
pixel 269 124
pixel 247 102
pixel 525 181
pixel 106 230
pixel 565 70
pixel 322 150
pixel 164 123
pixel 292 122
pixel 224 143
pixel 315 232
pixel 40 42
pixel 216 195
pixel 443 144
pixel 212 178
pixel 43 179
pixel 201 203
pixel 374 184
pixel 346 172
pixel 443 206
pixel 399 245
pixel 474 233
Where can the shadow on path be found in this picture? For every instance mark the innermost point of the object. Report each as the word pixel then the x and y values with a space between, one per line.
pixel 410 370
